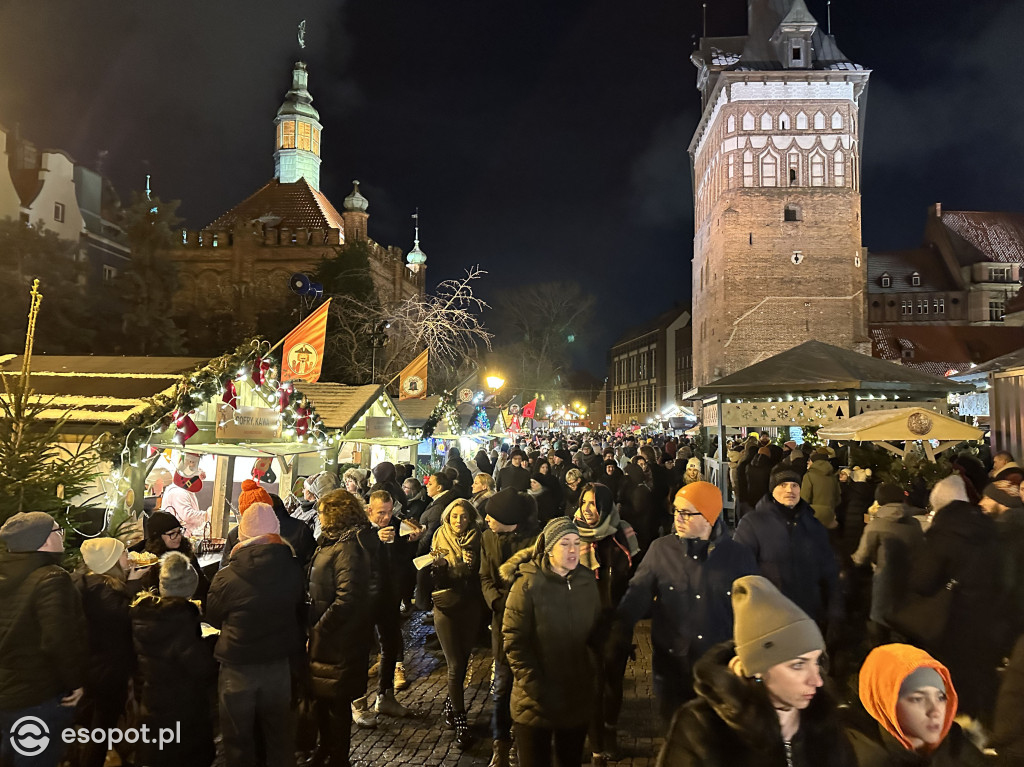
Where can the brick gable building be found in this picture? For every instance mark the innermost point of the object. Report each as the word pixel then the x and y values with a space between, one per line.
pixel 775 159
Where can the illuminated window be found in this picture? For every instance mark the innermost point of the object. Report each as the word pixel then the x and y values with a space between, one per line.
pixel 316 141
pixel 286 135
pixel 304 133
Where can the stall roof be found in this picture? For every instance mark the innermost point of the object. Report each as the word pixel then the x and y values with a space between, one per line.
pixel 1009 361
pixel 340 406
pixel 104 390
pixel 816 366
pixel 900 425
pixel 415 412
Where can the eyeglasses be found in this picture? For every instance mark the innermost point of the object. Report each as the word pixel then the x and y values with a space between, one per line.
pixel 680 513
pixel 59 530
pixel 173 533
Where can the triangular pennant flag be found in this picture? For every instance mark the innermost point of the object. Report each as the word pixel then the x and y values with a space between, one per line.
pixel 530 408
pixel 303 355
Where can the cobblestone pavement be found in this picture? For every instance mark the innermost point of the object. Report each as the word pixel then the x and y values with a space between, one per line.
pixel 423 741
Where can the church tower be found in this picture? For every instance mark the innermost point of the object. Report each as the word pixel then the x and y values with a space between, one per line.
pixel 775 159
pixel 297 125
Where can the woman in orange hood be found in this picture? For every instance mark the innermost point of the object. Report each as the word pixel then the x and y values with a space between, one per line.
pixel 911 697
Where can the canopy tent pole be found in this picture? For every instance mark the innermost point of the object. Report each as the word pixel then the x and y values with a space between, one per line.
pixel 891 448
pixel 219 516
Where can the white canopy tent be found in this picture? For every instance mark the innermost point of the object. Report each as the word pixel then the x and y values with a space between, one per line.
pixel 911 424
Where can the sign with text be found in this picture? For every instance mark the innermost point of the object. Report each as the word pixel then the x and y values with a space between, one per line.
pixel 250 423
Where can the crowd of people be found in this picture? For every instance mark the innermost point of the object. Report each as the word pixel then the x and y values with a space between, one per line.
pixel 830 619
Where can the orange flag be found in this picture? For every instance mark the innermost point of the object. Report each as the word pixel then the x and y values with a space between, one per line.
pixel 303 355
pixel 412 381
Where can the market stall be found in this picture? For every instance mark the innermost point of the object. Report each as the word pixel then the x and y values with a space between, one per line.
pixel 912 424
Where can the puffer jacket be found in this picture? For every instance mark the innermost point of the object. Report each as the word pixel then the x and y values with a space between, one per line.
pixel 874 747
pixel 792 550
pixel 890 543
pixel 256 602
pixel 820 488
pixel 105 602
pixel 732 722
pixel 759 472
pixel 340 612
pixel 43 636
pixel 548 627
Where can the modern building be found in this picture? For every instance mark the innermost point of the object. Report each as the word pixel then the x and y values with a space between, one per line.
pixel 649 368
pixel 775 160
pixel 240 265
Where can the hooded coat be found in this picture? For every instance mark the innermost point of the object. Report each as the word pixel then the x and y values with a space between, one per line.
pixel 890 543
pixel 820 488
pixel 614 545
pixel 43 640
pixel 341 600
pixel 880 741
pixel 732 723
pixel 548 627
pixel 792 550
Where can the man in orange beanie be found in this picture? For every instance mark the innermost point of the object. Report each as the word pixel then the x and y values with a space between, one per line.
pixel 691 574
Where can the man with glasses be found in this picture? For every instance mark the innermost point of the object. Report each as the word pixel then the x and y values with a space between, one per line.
pixel 43 644
pixel 685 582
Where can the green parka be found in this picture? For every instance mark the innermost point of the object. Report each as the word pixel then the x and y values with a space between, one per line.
pixel 549 622
pixel 820 489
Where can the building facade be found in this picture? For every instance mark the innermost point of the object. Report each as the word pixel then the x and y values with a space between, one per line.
pixel 778 257
pixel 239 267
pixel 650 367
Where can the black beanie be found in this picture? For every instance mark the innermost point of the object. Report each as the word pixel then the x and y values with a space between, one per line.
pixel 887 492
pixel 508 507
pixel 161 522
pixel 783 475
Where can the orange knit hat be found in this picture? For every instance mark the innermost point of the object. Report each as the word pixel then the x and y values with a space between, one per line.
pixel 252 493
pixel 881 677
pixel 705 497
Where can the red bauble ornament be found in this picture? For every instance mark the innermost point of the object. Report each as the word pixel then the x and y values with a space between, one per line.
pixel 230 397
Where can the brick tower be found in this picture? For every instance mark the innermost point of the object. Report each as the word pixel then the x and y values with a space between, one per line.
pixel 777 255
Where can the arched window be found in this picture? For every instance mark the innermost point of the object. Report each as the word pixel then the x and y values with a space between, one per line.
pixel 732 170
pixel 730 124
pixel 748 121
pixel 784 122
pixel 839 169
pixel 837 120
pixel 817 169
pixel 748 168
pixel 766 121
pixel 794 168
pixel 819 121
pixel 769 170
pixel 801 121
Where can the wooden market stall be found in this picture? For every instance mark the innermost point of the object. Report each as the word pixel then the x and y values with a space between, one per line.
pixel 912 424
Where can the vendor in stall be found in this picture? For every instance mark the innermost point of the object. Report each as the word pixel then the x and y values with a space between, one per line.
pixel 180 498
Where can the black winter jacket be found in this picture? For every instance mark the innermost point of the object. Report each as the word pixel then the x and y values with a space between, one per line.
pixel 341 616
pixel 1008 722
pixel 732 723
pixel 548 627
pixel 431 517
pixel 43 635
pixel 688 586
pixel 759 471
pixel 257 602
pixel 298 534
pixel 793 552
pixel 105 603
pixel 875 747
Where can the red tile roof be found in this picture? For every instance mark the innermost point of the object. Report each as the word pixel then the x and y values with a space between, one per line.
pixel 297 204
pixel 996 236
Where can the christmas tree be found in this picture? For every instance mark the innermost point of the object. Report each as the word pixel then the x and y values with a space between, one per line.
pixel 39 471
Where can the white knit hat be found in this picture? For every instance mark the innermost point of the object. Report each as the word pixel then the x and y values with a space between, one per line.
pixel 101 554
pixel 946 491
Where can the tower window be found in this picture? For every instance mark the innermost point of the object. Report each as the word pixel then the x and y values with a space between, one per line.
pixel 886 280
pixel 58 212
pixel 839 165
pixel 286 135
pixel 315 143
pixel 791 213
pixel 748 121
pixel 766 121
pixel 730 124
pixel 801 121
pixel 792 176
pixel 837 120
pixel 817 170
pixel 819 121
pixel 748 168
pixel 798 54
pixel 915 280
pixel 305 129
pixel 769 170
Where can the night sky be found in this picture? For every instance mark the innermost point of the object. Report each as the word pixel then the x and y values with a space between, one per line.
pixel 541 139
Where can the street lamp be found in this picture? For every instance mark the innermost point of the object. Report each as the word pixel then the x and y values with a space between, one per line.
pixel 494 383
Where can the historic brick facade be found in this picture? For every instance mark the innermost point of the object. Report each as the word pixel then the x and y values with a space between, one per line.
pixel 778 258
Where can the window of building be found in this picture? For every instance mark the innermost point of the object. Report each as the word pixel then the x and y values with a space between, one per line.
pixel 999 273
pixel 58 212
pixel 748 168
pixel 837 120
pixel 819 121
pixel 796 54
pixel 286 135
pixel 915 280
pixel 769 170
pixel 783 121
pixel 907 307
pixel 922 306
pixel 305 129
pixel 730 124
pixel 839 165
pixel 996 307
pixel 766 121
pixel 886 280
pixel 731 170
pixel 315 144
pixel 748 121
pixel 907 354
pixel 939 306
pixel 792 176
pixel 817 170
pixel 109 273
pixel 801 121
pixel 791 213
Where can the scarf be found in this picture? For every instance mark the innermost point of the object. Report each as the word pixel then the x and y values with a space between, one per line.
pixel 445 538
pixel 607 525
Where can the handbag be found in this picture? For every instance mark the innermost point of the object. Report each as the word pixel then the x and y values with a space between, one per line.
pixel 445 599
pixel 922 619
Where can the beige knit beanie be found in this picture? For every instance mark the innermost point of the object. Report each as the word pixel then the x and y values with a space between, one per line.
pixel 767 627
pixel 101 554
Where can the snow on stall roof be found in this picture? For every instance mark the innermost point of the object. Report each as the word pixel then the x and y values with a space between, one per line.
pixel 997 236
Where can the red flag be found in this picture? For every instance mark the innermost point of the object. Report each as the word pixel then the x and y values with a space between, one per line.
pixel 530 408
pixel 303 353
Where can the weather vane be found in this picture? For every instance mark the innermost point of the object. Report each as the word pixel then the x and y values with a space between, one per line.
pixel 302 34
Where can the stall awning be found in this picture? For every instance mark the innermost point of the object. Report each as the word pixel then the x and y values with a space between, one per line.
pixel 900 425
pixel 338 405
pixel 249 449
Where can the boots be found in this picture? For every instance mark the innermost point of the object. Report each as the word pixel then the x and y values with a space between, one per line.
pixel 401 681
pixel 387 705
pixel 362 714
pixel 462 737
pixel 449 714
pixel 500 757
